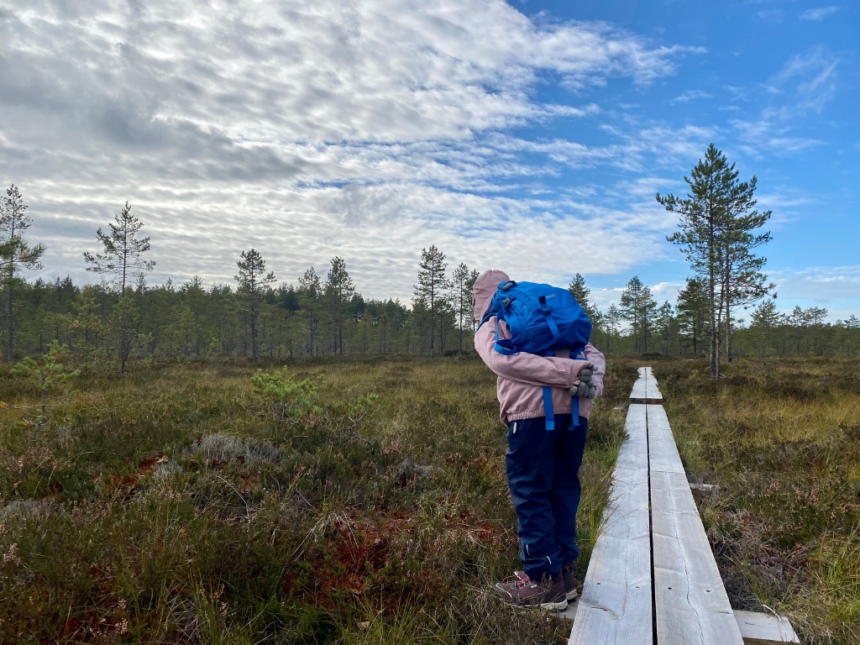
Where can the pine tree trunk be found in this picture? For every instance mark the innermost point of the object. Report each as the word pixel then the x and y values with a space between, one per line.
pixel 461 338
pixel 728 332
pixel 10 356
pixel 728 296
pixel 715 356
pixel 432 325
pixel 253 336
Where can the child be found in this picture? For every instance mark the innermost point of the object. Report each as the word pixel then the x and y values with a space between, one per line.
pixel 542 466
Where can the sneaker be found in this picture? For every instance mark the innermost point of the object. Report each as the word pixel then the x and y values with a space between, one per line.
pixel 522 591
pixel 566 575
pixel 569 582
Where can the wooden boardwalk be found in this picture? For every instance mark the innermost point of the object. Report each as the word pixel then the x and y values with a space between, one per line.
pixel 653 579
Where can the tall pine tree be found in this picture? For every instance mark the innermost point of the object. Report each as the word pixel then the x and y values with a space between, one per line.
pixel 311 294
pixel 743 280
pixel 339 289
pixel 122 251
pixel 705 215
pixel 15 254
pixel 432 288
pixel 580 293
pixel 639 307
pixel 253 286
pixel 693 311
pixel 461 298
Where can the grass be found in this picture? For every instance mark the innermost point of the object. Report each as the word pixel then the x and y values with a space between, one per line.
pixel 781 440
pixel 172 506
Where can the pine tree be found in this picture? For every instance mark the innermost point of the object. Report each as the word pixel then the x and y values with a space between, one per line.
pixel 705 217
pixel 253 285
pixel 580 293
pixel 46 377
pixel 852 333
pixel 122 255
pixel 743 281
pixel 665 322
pixel 765 319
pixel 461 297
pixel 639 307
pixel 87 323
pixel 15 254
pixel 432 287
pixel 613 318
pixel 311 291
pixel 339 289
pixel 693 311
pixel 816 317
pixel 122 328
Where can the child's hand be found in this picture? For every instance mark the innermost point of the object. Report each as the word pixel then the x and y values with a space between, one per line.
pixel 587 373
pixel 584 390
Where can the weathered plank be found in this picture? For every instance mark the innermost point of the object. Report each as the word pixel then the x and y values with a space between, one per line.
pixel 664 456
pixel 645 389
pixel 652 388
pixel 692 607
pixel 756 628
pixel 640 387
pixel 616 603
pixel 765 629
pixel 633 454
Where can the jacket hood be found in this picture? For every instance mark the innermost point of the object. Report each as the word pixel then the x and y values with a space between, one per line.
pixel 484 289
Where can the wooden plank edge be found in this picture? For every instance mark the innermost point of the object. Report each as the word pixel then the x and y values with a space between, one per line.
pixel 646 401
pixel 756 628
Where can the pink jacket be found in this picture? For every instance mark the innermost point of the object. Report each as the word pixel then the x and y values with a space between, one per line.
pixel 522 376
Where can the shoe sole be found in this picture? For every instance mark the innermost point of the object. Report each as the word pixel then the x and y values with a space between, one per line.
pixel 561 605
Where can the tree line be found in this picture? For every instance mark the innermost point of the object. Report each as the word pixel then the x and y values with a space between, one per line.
pixel 123 318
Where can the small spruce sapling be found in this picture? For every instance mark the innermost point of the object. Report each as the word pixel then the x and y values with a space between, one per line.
pixel 46 375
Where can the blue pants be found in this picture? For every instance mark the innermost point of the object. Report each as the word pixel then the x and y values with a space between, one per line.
pixel 543 475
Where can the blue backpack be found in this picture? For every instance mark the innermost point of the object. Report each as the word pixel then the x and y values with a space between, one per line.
pixel 541 318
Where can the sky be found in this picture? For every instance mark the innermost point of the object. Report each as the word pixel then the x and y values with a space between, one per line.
pixel 526 136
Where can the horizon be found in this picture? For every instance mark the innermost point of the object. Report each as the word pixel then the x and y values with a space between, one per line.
pixel 503 133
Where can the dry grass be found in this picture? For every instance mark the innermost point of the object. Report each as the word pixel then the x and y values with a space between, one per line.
pixel 781 439
pixel 170 507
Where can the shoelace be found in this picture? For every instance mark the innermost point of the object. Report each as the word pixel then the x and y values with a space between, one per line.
pixel 520 579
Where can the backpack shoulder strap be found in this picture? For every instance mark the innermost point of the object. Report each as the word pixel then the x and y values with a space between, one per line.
pixel 503 345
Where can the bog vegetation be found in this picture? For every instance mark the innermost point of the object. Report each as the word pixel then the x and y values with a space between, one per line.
pixel 341 501
pixel 364 499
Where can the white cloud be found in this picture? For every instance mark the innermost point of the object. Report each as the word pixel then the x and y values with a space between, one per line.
pixel 366 129
pixel 815 73
pixel 836 289
pixel 806 82
pixel 771 15
pixel 691 95
pixel 819 13
pixel 662 291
